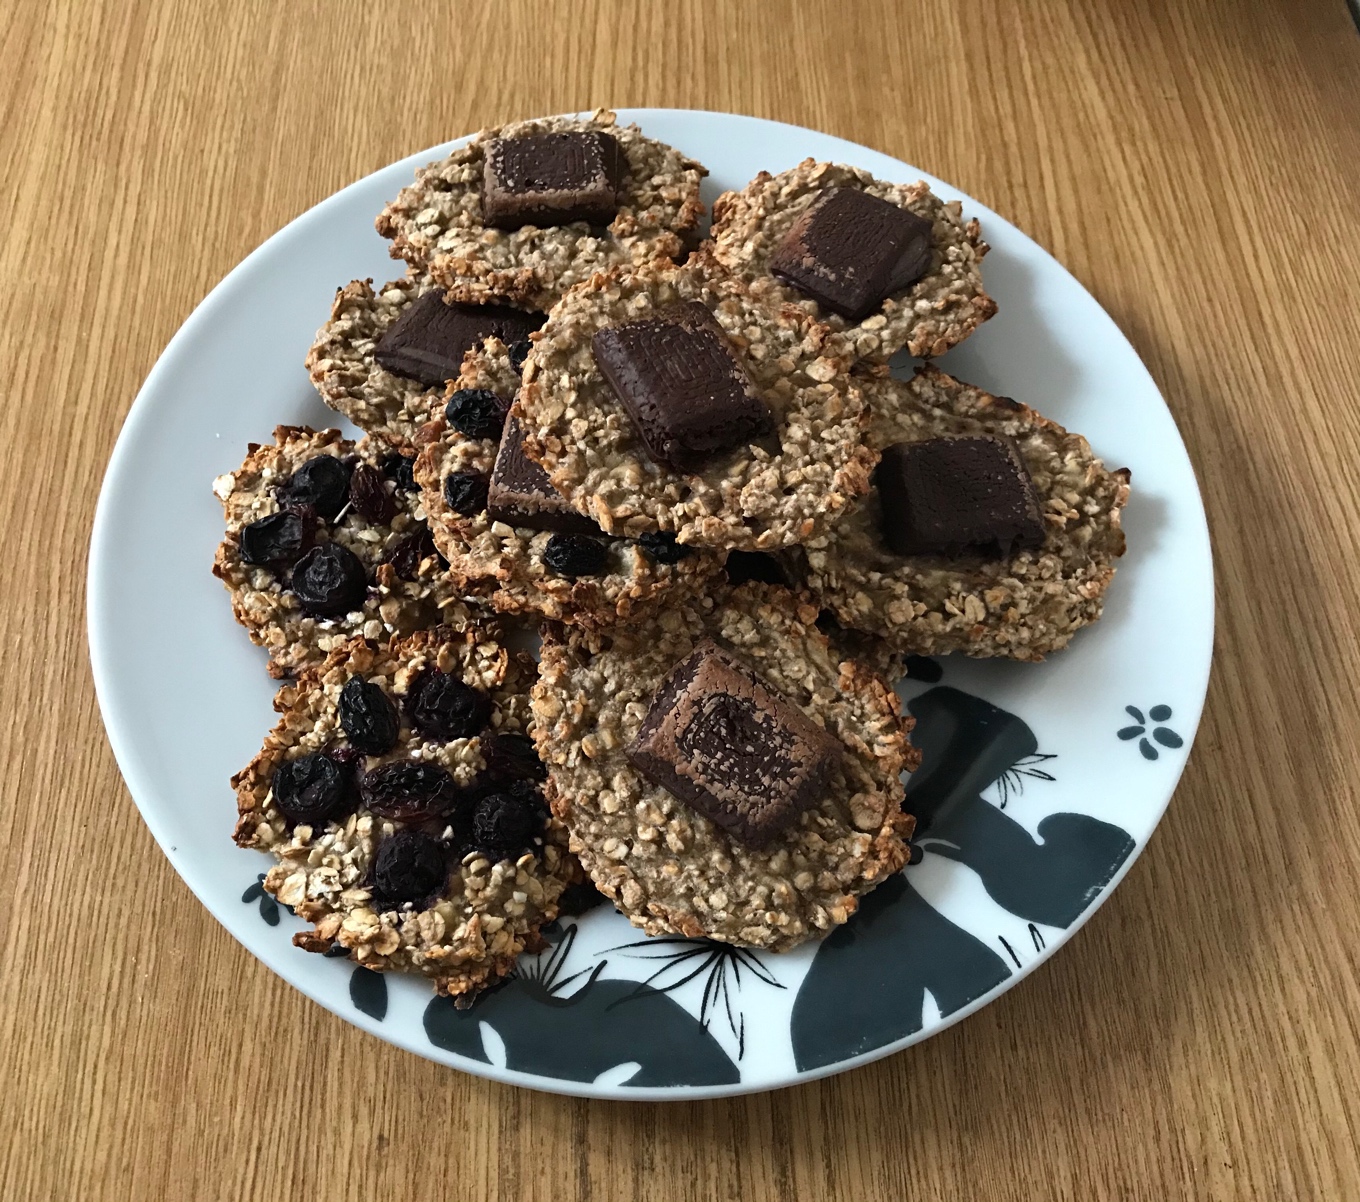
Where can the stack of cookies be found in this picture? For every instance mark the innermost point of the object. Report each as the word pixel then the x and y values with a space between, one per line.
pixel 685 465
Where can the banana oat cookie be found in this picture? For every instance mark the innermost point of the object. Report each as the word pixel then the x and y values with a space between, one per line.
pixel 668 868
pixel 399 794
pixel 772 468
pixel 327 540
pixel 510 536
pixel 936 311
pixel 1021 606
pixel 438 223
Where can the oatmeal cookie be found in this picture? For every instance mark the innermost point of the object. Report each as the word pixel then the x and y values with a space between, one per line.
pixel 398 794
pixel 313 557
pixel 437 223
pixel 668 868
pixel 514 567
pixel 1021 607
pixel 928 317
pixel 778 490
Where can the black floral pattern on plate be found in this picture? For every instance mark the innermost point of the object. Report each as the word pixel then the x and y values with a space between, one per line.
pixel 269 908
pixel 1161 734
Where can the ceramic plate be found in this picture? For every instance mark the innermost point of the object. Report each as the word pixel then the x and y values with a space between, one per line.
pixel 1041 783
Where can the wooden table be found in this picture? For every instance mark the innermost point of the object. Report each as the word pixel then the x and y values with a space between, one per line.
pixel 1194 162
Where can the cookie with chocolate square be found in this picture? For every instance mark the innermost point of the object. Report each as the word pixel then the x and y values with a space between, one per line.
pixel 891 265
pixel 526 211
pixel 511 537
pixel 672 399
pixel 721 770
pixel 991 530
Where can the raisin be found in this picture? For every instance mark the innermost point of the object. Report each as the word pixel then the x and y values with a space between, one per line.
pixel 329 581
pixel 368 717
pixel 465 492
pixel 663 548
pixel 742 566
pixel 313 789
pixel 476 412
pixel 575 555
pixel 409 791
pixel 442 707
pixel 369 497
pixel 519 352
pixel 512 756
pixel 507 823
pixel 408 867
pixel 407 555
pixel 274 539
pixel 400 469
pixel 322 483
pixel 578 898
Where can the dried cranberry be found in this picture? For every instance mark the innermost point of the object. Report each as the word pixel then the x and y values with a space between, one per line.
pixel 519 352
pixel 663 548
pixel 274 539
pixel 329 581
pixel 742 566
pixel 409 791
pixel 409 867
pixel 512 756
pixel 322 483
pixel 575 555
pixel 465 492
pixel 507 823
pixel 442 707
pixel 476 412
pixel 313 789
pixel 400 469
pixel 369 496
pixel 368 717
pixel 407 555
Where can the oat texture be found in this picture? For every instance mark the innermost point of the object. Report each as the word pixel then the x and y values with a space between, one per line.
pixel 1022 607
pixel 470 933
pixel 260 597
pixel 665 866
pixel 755 498
pixel 504 564
pixel 940 310
pixel 436 223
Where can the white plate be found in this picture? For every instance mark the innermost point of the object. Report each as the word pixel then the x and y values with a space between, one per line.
pixel 1042 794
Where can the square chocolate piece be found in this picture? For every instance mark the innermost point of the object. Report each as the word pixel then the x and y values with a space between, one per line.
pixel 957 497
pixel 849 250
pixel 731 748
pixel 688 396
pixel 428 341
pixel 552 179
pixel 520 493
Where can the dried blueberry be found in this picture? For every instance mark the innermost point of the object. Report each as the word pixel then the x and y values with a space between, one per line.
pixel 369 496
pixel 400 469
pixel 322 483
pixel 442 707
pixel 507 823
pixel 407 555
pixel 476 412
pixel 662 547
pixel 409 791
pixel 368 717
pixel 313 789
pixel 519 352
pixel 511 756
pixel 409 867
pixel 465 492
pixel 274 539
pixel 329 581
pixel 742 566
pixel 576 555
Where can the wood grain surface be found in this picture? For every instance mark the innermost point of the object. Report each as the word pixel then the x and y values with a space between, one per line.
pixel 1193 162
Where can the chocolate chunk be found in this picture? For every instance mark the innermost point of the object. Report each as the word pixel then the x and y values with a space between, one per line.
pixel 552 179
pixel 687 394
pixel 958 496
pixel 726 744
pixel 428 341
pixel 849 250
pixel 521 495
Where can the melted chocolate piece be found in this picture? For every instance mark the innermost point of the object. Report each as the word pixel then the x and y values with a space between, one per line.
pixel 958 497
pixel 849 250
pixel 726 744
pixel 687 394
pixel 522 495
pixel 552 179
pixel 428 341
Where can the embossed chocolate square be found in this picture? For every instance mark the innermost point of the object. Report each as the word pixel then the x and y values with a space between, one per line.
pixel 520 493
pixel 724 742
pixel 428 341
pixel 552 179
pixel 849 250
pixel 958 496
pixel 677 377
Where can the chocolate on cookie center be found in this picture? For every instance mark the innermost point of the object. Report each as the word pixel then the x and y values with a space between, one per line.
pixel 552 179
pixel 428 341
